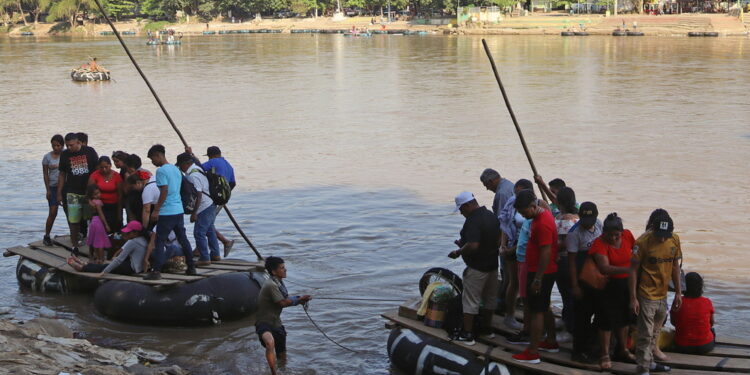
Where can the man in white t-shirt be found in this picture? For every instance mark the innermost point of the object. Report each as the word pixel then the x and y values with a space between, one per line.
pixel 149 196
pixel 205 212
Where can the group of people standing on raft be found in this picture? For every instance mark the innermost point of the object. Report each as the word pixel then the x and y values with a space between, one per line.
pixel 601 269
pixel 88 188
pixel 94 196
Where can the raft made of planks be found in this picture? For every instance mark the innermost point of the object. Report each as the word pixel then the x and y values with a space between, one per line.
pixel 726 358
pixel 56 257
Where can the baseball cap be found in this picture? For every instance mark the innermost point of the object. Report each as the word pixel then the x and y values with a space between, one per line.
pixel 132 226
pixel 463 198
pixel 663 226
pixel 587 213
pixel 184 158
pixel 213 150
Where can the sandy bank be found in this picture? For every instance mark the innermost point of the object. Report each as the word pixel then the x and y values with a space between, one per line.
pixel 47 346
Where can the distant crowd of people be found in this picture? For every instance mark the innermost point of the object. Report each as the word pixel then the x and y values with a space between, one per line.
pixel 96 198
pixel 608 280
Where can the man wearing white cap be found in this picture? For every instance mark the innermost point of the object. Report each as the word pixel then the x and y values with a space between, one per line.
pixel 478 246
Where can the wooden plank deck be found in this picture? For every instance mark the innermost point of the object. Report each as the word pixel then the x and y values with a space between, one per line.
pixel 497 354
pixel 62 265
pixel 682 364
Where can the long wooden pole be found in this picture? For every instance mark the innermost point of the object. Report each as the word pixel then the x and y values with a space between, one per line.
pixel 164 110
pixel 512 115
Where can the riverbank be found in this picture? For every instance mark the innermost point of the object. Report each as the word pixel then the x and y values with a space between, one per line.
pixel 47 346
pixel 543 24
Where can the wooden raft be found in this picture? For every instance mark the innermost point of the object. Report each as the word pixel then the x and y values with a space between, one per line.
pixel 56 257
pixel 729 356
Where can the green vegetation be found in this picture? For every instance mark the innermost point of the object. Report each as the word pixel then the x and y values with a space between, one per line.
pixel 155 26
pixel 74 12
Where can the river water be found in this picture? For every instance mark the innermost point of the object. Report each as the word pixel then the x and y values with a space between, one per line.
pixel 349 151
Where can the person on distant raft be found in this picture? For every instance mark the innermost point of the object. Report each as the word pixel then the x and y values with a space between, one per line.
pixel 50 163
pixel 274 297
pixel 478 246
pixel 656 259
pixel 694 321
pixel 76 165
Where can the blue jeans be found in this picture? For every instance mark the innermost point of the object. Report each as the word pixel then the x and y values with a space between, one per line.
pixel 205 233
pixel 165 225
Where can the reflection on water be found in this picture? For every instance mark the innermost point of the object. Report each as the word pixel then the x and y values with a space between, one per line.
pixel 348 153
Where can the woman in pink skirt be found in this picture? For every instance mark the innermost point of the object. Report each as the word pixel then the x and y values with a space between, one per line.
pixel 98 240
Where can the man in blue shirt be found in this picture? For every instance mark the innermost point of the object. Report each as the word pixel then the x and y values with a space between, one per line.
pixel 223 168
pixel 168 213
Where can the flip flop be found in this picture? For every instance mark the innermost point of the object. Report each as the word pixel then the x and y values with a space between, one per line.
pixel 605 362
pixel 661 368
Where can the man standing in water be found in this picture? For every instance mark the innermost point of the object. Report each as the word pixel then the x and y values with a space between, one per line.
pixel 77 162
pixel 272 299
pixel 479 242
pixel 656 258
pixel 541 252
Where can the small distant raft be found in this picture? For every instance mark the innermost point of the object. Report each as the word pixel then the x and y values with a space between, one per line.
pixel 84 75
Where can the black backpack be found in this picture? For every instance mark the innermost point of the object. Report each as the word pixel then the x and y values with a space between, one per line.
pixel 189 195
pixel 453 322
pixel 218 187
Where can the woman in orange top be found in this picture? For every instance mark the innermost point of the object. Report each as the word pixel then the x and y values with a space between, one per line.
pixel 611 253
pixel 108 182
pixel 694 320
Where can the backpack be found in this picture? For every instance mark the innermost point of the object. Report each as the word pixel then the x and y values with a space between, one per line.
pixel 189 195
pixel 218 187
pixel 454 317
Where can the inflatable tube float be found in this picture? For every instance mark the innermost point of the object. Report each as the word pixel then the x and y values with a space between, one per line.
pixel 695 33
pixel 153 42
pixel 711 34
pixel 27 33
pixel 204 302
pixel 127 33
pixel 619 33
pixel 581 33
pixel 106 33
pixel 41 278
pixel 567 33
pixel 87 76
pixel 417 354
pixel 635 33
pixel 209 32
pixel 172 42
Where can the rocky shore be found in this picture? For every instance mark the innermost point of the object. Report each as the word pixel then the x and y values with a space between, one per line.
pixel 47 346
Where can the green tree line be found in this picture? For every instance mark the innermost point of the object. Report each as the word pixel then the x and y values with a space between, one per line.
pixel 28 11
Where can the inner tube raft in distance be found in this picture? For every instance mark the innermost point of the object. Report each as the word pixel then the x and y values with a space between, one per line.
pixel 208 301
pixel 87 76
pixel 415 353
pixel 635 33
pixel 567 33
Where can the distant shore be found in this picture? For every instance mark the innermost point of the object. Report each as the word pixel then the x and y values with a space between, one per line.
pixel 546 24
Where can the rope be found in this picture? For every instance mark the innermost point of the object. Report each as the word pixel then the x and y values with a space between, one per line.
pixel 360 299
pixel 304 307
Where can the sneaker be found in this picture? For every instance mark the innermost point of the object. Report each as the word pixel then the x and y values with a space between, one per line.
pixel 527 357
pixel 658 367
pixel 47 241
pixel 520 338
pixel 228 247
pixel 202 263
pixel 488 335
pixel 466 338
pixel 512 323
pixel 76 252
pixel 547 347
pixel 154 275
pixel 191 271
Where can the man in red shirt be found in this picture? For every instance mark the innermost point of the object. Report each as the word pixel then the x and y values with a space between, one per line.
pixel 541 252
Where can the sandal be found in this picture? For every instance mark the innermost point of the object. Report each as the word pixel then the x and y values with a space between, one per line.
pixel 661 368
pixel 660 356
pixel 605 362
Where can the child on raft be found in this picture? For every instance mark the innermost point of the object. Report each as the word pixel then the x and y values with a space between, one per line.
pixel 98 240
pixel 694 320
